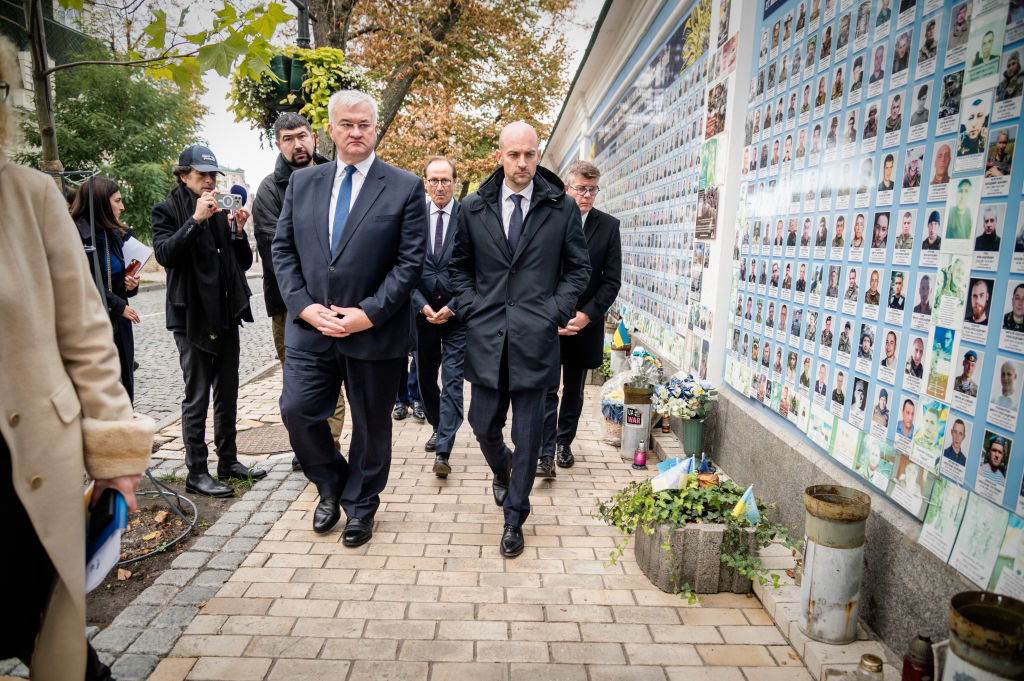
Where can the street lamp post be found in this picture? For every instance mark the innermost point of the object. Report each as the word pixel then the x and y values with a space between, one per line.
pixel 303 18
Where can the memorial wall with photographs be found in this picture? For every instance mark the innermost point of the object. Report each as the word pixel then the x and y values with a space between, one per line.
pixel 658 165
pixel 878 278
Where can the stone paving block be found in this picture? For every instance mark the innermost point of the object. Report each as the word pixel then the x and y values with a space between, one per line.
pixel 217 646
pixel 347 628
pixel 252 531
pixel 245 506
pixel 176 577
pixel 463 671
pixel 191 559
pixel 668 633
pixel 226 561
pixel 436 651
pixel 736 655
pixel 234 517
pixel 708 674
pixel 220 529
pixel 548 672
pixel 155 642
pixel 750 634
pixel 172 669
pixel 285 494
pixel 362 649
pixel 662 654
pixel 212 577
pixel 194 595
pixel 309 670
pixel 777 673
pixel 615 633
pixel 158 594
pixel 115 639
pixel 259 494
pixel 134 616
pixel 264 517
pixel 284 646
pixel 620 673
pixel 229 669
pixel 206 543
pixel 511 651
pixel 175 616
pixel 134 667
pixel 236 606
pixel 390 670
pixel 545 631
pixel 587 653
pixel 240 544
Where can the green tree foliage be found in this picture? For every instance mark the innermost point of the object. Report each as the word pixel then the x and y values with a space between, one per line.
pixel 125 126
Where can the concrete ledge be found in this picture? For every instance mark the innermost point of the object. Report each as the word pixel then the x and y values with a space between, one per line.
pixel 904 587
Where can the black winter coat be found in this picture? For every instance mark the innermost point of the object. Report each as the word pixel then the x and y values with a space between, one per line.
pixel 520 297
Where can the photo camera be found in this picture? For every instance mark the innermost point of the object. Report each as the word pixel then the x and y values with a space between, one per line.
pixel 229 202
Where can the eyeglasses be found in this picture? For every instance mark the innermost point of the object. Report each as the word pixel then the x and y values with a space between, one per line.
pixel 5 90
pixel 585 190
pixel 348 127
pixel 443 181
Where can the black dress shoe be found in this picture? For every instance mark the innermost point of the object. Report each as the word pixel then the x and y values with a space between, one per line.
pixel 417 412
pixel 431 442
pixel 512 541
pixel 499 486
pixel 326 515
pixel 441 467
pixel 238 470
pixel 399 412
pixel 296 464
pixel 546 467
pixel 204 484
pixel 564 456
pixel 357 531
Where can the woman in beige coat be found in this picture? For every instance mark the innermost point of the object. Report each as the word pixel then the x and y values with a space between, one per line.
pixel 62 411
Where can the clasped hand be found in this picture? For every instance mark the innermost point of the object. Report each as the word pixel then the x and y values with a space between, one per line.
pixel 336 322
pixel 575 325
pixel 439 317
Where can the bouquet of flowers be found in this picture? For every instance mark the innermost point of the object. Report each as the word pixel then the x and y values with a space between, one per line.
pixel 644 369
pixel 686 397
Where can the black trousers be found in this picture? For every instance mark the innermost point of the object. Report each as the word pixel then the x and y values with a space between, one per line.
pixel 560 424
pixel 488 411
pixel 125 342
pixel 441 348
pixel 31 574
pixel 203 372
pixel 309 396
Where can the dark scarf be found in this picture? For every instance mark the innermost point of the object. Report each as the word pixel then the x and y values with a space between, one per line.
pixel 213 269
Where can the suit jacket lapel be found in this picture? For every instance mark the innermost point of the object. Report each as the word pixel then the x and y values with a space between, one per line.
pixel 449 237
pixel 373 185
pixel 590 226
pixel 495 227
pixel 323 185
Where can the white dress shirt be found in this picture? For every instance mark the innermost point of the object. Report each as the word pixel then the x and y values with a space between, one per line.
pixel 583 218
pixel 362 168
pixel 508 205
pixel 446 212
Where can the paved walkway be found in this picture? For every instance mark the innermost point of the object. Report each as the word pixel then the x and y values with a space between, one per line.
pixel 430 598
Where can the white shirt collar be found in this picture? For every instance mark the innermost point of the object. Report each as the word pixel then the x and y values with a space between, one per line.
pixel 446 208
pixel 507 191
pixel 583 217
pixel 363 167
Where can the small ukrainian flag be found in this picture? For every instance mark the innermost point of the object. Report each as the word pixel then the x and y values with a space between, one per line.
pixel 747 507
pixel 621 337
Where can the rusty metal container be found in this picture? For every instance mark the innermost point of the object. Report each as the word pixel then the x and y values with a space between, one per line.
pixel 986 637
pixel 833 562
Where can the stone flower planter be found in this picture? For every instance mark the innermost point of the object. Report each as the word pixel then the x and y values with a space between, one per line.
pixel 694 558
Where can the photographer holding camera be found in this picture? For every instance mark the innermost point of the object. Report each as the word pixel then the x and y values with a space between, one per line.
pixel 206 254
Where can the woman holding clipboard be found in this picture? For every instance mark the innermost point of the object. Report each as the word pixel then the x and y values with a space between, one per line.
pixel 120 278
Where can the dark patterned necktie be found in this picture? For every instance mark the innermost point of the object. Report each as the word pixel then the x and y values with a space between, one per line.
pixel 515 222
pixel 438 235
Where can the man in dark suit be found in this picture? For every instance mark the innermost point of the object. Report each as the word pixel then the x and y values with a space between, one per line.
pixel 582 339
pixel 520 264
pixel 348 251
pixel 440 337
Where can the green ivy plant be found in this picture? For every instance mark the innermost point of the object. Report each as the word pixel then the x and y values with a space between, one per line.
pixel 638 506
pixel 254 99
pixel 605 370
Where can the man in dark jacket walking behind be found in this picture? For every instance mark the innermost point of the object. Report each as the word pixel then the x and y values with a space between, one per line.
pixel 519 265
pixel 206 255
pixel 297 144
pixel 582 339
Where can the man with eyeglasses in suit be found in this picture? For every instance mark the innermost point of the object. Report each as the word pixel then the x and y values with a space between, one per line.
pixel 582 338
pixel 440 337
